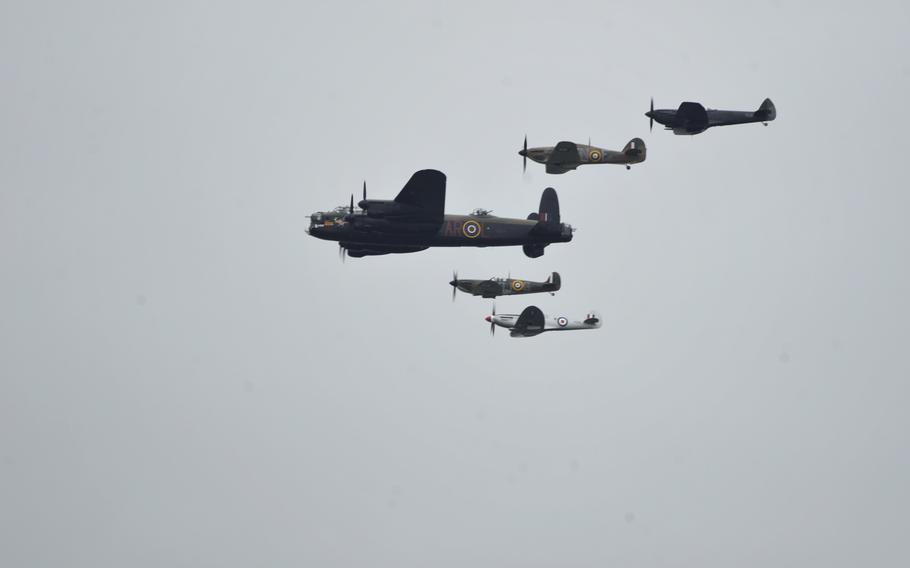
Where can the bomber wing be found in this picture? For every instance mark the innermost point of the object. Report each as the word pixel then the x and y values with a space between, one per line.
pixel 426 190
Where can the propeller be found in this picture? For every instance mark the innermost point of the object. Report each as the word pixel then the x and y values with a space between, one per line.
pixel 492 323
pixel 364 190
pixel 651 116
pixel 351 210
pixel 524 154
pixel 454 283
pixel 342 252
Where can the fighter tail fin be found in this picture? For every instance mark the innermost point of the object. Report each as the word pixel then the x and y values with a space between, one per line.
pixel 766 112
pixel 636 149
pixel 554 282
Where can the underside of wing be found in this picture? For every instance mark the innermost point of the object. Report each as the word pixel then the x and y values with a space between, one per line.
pixel 488 289
pixel 530 322
pixel 360 250
pixel 565 155
pixel 693 113
pixel 425 190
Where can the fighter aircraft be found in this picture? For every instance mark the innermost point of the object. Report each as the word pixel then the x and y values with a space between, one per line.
pixel 415 221
pixel 693 118
pixel 567 156
pixel 504 286
pixel 532 322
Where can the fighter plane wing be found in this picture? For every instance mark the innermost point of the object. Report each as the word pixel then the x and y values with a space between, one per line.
pixel 693 112
pixel 488 289
pixel 530 322
pixel 564 154
pixel 427 190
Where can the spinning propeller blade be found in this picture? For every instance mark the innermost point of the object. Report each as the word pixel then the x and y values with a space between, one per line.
pixel 652 112
pixel 454 283
pixel 364 190
pixel 524 156
pixel 492 323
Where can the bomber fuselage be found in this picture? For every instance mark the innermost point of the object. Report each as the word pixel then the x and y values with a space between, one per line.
pixel 478 230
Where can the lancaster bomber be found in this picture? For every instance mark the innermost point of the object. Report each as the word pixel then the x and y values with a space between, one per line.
pixel 504 286
pixel 567 156
pixel 415 220
pixel 693 118
pixel 532 322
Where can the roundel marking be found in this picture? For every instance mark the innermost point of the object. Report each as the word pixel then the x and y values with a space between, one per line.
pixel 562 322
pixel 518 285
pixel 471 229
pixel 594 155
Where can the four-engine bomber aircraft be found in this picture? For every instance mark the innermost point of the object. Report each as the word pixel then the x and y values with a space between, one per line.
pixel 532 322
pixel 415 220
pixel 504 286
pixel 567 156
pixel 693 118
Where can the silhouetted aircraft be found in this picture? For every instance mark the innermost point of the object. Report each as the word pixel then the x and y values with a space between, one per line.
pixel 567 156
pixel 415 220
pixel 693 118
pixel 532 322
pixel 504 286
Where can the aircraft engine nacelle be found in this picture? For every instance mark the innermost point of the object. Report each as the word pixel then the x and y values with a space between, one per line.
pixel 381 208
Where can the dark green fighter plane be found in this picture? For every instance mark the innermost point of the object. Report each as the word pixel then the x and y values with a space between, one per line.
pixel 693 118
pixel 415 220
pixel 566 156
pixel 504 286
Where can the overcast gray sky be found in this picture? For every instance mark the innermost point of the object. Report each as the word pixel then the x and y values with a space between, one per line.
pixel 188 379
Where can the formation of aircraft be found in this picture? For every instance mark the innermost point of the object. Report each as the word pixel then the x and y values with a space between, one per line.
pixel 693 118
pixel 567 156
pixel 416 220
pixel 532 321
pixel 505 286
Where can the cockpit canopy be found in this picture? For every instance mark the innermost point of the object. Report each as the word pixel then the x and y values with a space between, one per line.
pixel 480 212
pixel 335 216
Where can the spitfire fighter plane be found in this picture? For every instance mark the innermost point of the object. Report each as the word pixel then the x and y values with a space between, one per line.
pixel 415 220
pixel 504 286
pixel 693 118
pixel 567 156
pixel 532 322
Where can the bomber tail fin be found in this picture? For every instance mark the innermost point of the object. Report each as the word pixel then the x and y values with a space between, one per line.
pixel 766 112
pixel 548 213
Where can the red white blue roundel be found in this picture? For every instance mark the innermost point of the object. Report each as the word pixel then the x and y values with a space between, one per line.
pixel 561 321
pixel 471 229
